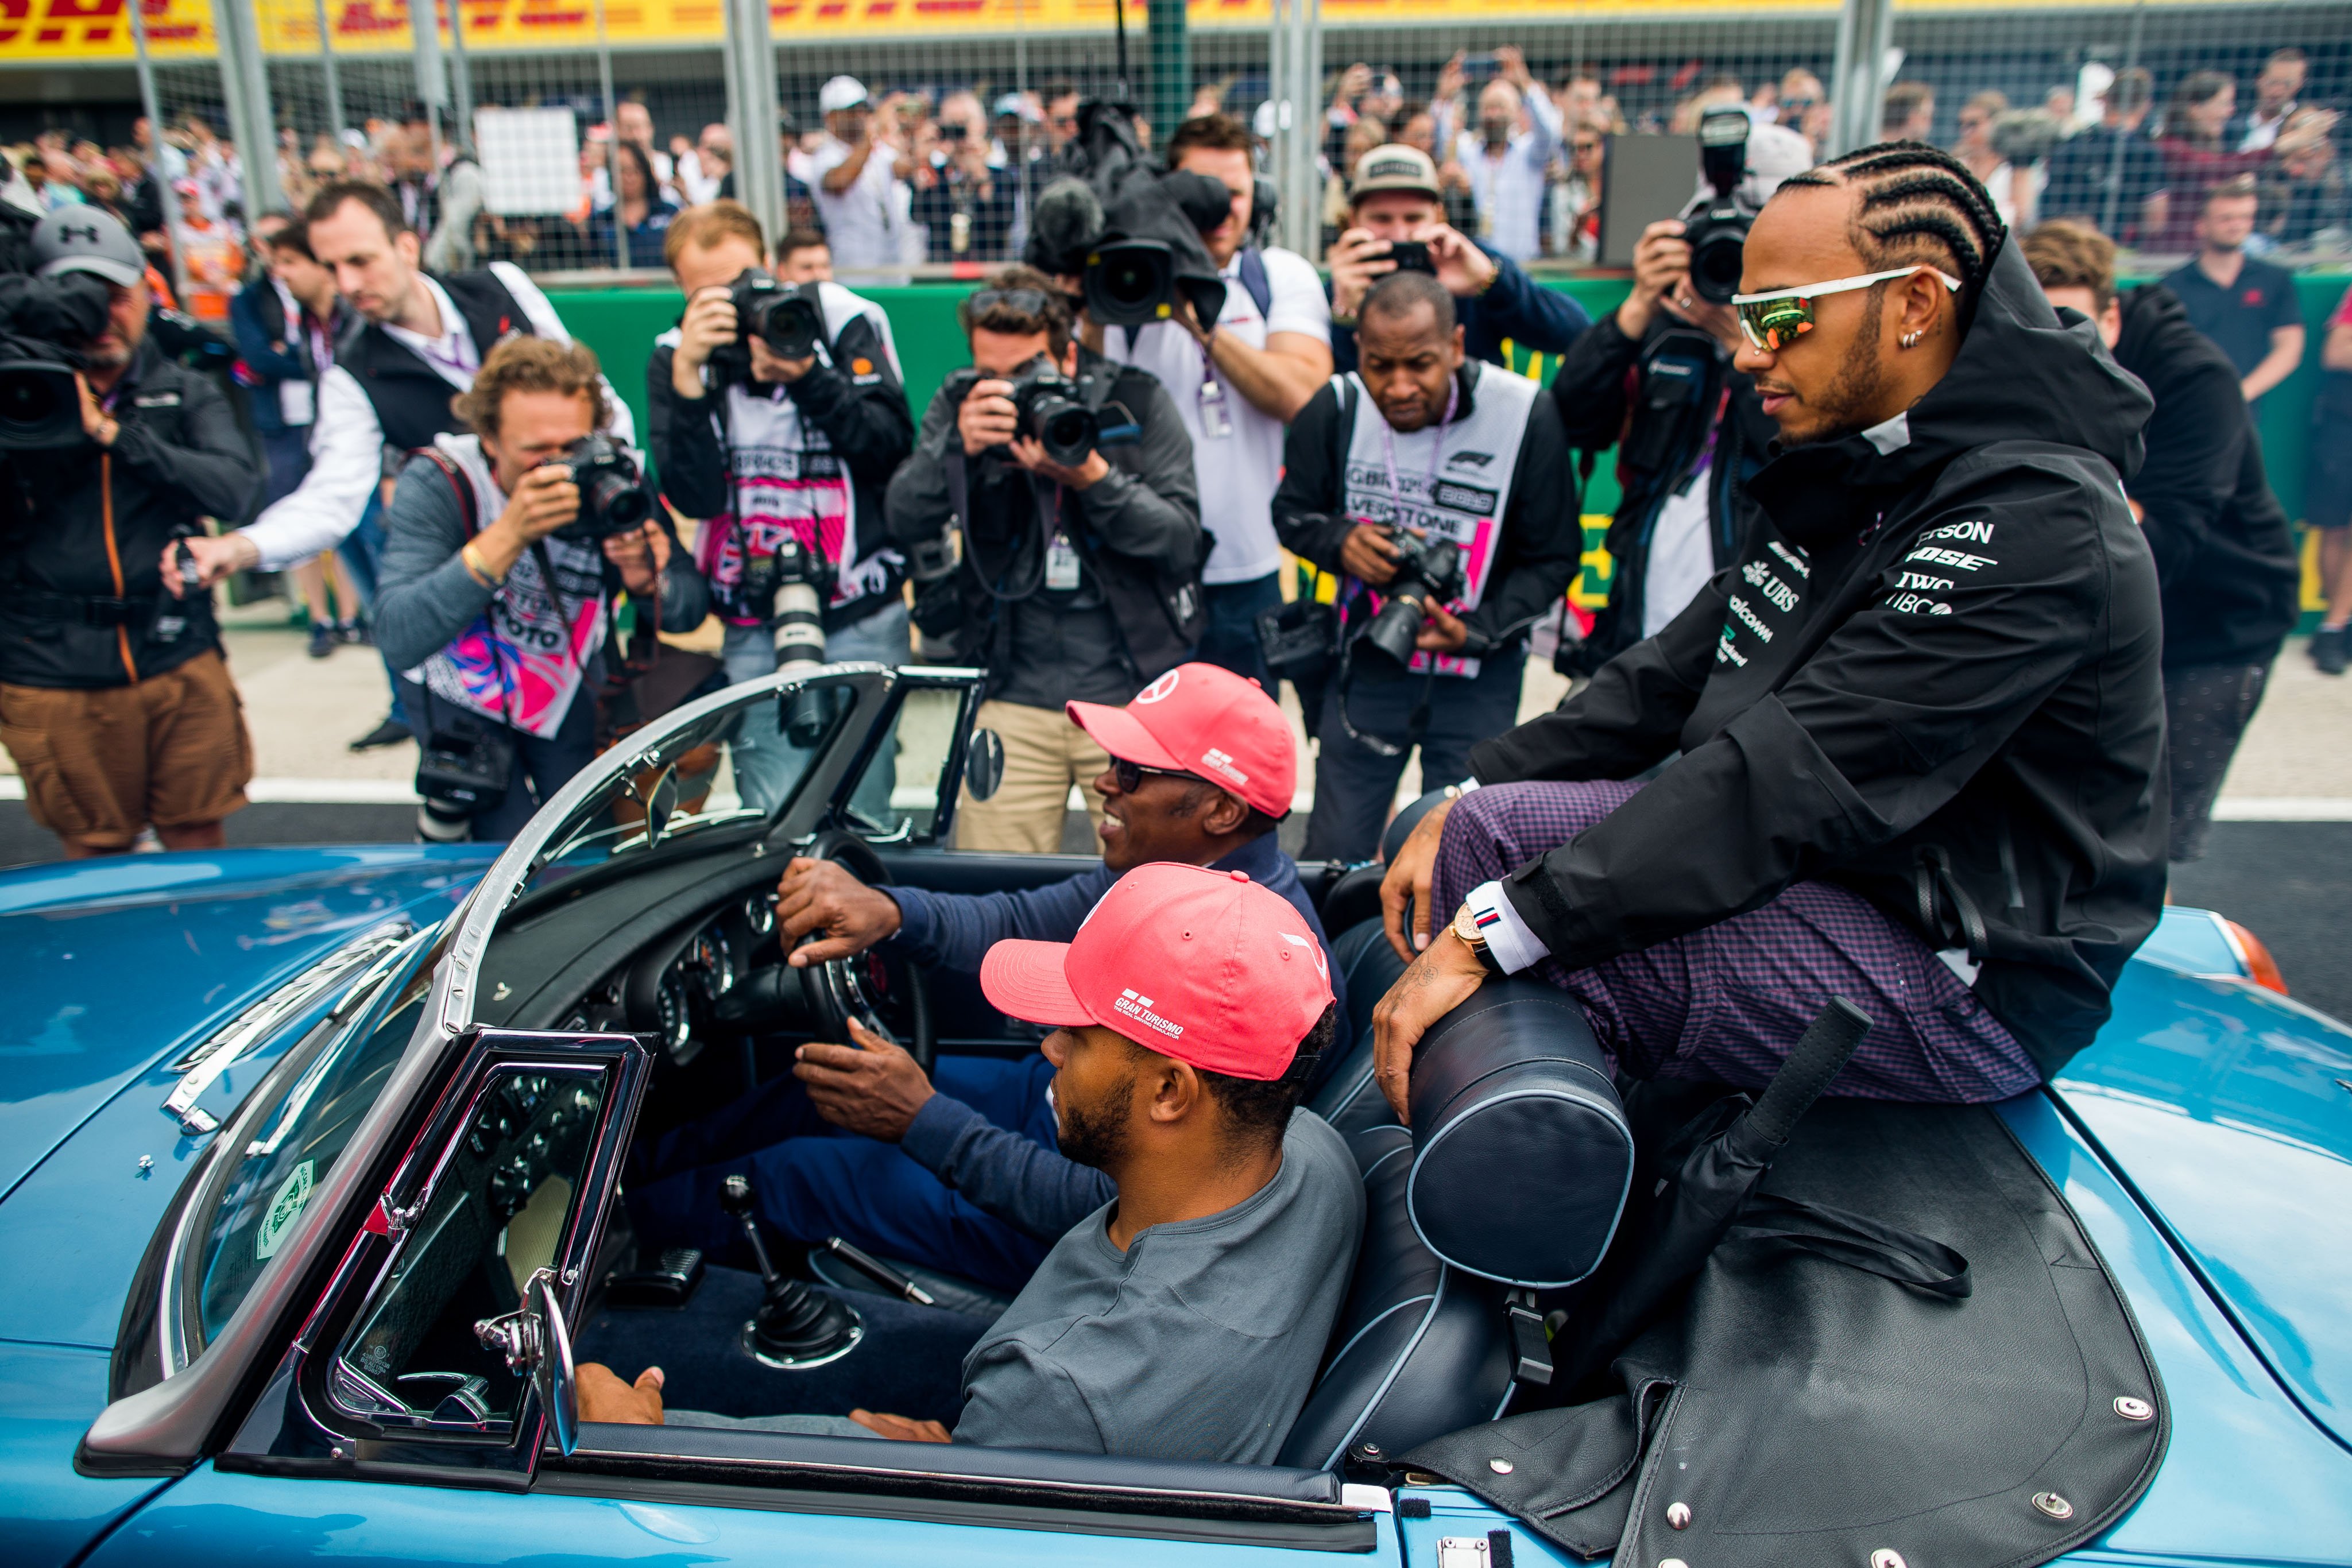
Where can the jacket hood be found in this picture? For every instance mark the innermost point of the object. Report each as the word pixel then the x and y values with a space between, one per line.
pixel 2019 376
pixel 2158 342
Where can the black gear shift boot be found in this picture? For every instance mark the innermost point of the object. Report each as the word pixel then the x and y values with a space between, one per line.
pixel 795 1327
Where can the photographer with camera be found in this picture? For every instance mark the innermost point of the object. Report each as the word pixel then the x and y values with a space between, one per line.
pixel 1236 380
pixel 777 417
pixel 1439 492
pixel 114 699
pixel 1080 579
pixel 1654 379
pixel 422 336
pixel 501 552
pixel 1396 223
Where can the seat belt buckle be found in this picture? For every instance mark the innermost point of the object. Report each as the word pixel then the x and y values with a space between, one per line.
pixel 1530 1346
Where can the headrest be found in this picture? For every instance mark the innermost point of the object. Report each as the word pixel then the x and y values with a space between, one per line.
pixel 1522 1156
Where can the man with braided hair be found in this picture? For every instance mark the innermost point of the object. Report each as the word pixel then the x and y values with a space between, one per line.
pixel 1917 725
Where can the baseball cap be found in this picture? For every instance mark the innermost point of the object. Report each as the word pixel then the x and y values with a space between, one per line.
pixel 87 239
pixel 1018 107
pixel 1204 966
pixel 1394 167
pixel 840 93
pixel 1204 720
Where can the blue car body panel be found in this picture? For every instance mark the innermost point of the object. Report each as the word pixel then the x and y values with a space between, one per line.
pixel 235 1521
pixel 114 965
pixel 2204 1141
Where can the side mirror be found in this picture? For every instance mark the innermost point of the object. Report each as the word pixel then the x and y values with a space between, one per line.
pixel 535 1339
pixel 983 763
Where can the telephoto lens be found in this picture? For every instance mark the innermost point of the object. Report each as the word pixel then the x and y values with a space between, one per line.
pixel 800 636
pixel 1427 574
pixel 1049 413
pixel 39 407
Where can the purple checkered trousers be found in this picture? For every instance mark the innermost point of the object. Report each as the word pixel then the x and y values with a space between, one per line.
pixel 1729 1001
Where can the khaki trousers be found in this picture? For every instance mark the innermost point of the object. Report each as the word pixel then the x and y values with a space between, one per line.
pixel 1044 754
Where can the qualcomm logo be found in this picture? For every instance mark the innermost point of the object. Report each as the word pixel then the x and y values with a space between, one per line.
pixel 1159 688
pixel 1140 1008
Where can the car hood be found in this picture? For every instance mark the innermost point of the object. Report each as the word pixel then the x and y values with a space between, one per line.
pixel 110 966
pixel 2229 1109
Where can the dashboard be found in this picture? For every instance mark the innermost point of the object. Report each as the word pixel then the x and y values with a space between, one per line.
pixel 673 989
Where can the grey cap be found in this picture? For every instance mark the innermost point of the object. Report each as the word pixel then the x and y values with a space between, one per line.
pixel 88 240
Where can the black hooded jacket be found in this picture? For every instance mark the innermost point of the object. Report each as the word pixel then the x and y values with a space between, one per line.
pixel 1932 676
pixel 2223 556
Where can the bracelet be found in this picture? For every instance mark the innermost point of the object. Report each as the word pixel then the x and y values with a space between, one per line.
pixel 1494 276
pixel 478 569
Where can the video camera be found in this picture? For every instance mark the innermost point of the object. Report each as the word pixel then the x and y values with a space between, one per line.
pixel 44 323
pixel 613 496
pixel 1132 231
pixel 786 317
pixel 1715 225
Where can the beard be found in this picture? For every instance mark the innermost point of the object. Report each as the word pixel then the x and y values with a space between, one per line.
pixel 1858 387
pixel 1096 1137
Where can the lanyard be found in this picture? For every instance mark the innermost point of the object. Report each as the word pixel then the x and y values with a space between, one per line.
pixel 1437 451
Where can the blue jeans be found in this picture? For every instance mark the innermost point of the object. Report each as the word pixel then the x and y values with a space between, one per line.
pixel 766 764
pixel 1355 784
pixel 812 1180
pixel 1231 639
pixel 359 553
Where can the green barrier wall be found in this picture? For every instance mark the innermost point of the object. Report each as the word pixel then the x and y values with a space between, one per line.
pixel 621 325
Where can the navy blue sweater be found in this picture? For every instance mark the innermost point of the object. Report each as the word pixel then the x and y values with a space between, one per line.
pixel 1027 1186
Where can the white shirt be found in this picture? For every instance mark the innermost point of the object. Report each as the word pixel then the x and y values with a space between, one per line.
pixel 2261 133
pixel 347 444
pixel 699 187
pixel 865 224
pixel 1509 188
pixel 1237 473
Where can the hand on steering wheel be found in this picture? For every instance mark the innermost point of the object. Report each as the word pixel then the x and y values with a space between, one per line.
pixel 825 896
pixel 873 1088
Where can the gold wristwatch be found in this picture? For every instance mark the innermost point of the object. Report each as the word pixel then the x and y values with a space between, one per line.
pixel 1466 925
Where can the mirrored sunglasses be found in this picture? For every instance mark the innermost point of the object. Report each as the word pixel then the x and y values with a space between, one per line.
pixel 1773 322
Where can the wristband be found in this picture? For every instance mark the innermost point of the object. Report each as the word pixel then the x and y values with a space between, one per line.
pixel 478 569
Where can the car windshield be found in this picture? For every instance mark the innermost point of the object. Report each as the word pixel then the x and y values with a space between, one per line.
pixel 295 1140
pixel 693 779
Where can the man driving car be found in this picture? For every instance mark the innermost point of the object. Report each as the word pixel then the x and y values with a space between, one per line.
pixel 1187 1014
pixel 1202 769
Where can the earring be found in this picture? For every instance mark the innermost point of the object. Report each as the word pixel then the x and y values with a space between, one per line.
pixel 1911 340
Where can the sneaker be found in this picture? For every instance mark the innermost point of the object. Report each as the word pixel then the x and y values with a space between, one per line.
pixel 2327 650
pixel 322 639
pixel 355 633
pixel 391 732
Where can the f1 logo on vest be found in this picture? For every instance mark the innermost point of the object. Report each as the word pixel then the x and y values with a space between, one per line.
pixel 1158 689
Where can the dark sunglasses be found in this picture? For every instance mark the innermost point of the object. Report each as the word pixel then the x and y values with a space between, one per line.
pixel 1028 301
pixel 1131 775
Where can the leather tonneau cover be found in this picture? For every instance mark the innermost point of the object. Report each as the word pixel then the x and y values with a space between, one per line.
pixel 1807 1413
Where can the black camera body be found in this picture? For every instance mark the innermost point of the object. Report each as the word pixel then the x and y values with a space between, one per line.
pixel 786 317
pixel 1412 255
pixel 1047 407
pixel 1150 255
pixel 44 323
pixel 1716 226
pixel 613 496
pixel 1428 573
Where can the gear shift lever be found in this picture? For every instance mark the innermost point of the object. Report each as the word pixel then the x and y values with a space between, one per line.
pixel 795 1327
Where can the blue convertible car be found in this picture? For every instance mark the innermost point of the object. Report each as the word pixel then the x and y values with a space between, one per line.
pixel 308 1162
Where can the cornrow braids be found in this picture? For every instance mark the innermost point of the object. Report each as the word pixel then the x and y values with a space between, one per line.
pixel 1919 203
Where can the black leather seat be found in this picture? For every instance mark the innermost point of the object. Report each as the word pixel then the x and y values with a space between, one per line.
pixel 1420 1347
pixel 1345 1094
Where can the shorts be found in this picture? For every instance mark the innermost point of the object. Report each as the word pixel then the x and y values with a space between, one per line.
pixel 102 763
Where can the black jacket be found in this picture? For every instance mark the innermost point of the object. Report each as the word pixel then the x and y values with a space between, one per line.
pixel 1542 538
pixel 862 413
pixel 1677 383
pixel 1933 677
pixel 180 456
pixel 1138 609
pixel 2224 558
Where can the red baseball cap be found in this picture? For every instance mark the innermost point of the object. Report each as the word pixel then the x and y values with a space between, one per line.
pixel 1204 966
pixel 1207 721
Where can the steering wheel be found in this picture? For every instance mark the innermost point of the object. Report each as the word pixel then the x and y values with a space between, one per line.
pixel 883 990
